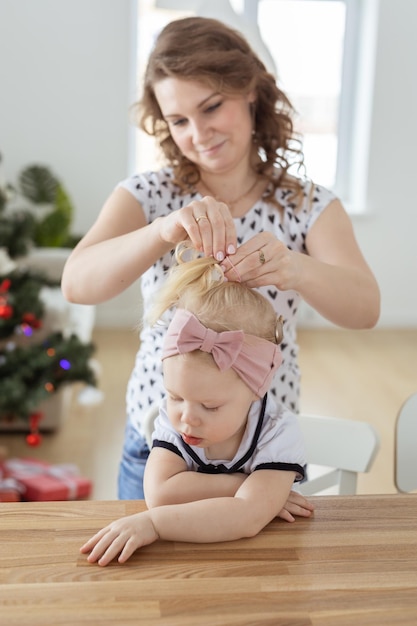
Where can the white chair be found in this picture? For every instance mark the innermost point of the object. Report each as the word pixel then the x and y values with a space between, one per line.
pixel 148 422
pixel 337 449
pixel 405 447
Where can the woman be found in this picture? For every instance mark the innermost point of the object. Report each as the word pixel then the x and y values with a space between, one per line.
pixel 226 131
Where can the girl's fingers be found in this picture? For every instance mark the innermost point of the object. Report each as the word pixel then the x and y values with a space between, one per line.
pixel 89 545
pixel 106 550
pixel 286 516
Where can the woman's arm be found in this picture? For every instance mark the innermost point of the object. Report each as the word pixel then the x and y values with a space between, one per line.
pixel 259 499
pixel 333 277
pixel 121 245
pixel 115 252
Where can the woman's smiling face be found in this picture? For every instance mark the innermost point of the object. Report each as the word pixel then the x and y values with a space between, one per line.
pixel 212 130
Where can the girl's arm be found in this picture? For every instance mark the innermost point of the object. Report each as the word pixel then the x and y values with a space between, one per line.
pixel 167 481
pixel 260 498
pixel 333 277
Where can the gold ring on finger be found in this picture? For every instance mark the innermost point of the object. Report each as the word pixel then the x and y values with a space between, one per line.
pixel 262 258
pixel 201 217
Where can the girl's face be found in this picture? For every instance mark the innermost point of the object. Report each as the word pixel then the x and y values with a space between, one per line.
pixel 207 407
pixel 212 130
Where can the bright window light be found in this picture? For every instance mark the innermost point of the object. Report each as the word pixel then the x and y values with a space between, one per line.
pixel 305 38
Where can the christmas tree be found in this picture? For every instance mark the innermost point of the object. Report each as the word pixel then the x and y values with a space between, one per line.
pixel 34 364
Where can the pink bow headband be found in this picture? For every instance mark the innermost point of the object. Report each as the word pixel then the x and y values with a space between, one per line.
pixel 254 359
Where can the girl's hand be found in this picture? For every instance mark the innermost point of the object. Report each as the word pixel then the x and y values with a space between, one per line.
pixel 207 223
pixel 121 537
pixel 296 505
pixel 264 260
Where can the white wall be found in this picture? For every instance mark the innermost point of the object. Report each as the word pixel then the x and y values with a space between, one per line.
pixel 387 233
pixel 388 237
pixel 66 83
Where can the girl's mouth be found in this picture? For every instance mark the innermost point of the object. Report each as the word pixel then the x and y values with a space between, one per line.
pixel 191 441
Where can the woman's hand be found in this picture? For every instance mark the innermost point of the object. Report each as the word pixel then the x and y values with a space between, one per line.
pixel 332 277
pixel 264 260
pixel 296 505
pixel 207 223
pixel 121 537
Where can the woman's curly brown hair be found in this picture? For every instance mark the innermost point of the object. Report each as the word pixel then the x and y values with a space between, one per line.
pixel 206 50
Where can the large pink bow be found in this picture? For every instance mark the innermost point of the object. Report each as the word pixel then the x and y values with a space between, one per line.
pixel 254 359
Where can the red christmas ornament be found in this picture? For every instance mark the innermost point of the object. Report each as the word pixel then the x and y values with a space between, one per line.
pixel 6 311
pixel 34 438
pixel 31 320
pixel 5 285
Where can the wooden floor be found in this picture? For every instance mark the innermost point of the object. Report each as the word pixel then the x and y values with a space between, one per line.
pixel 364 375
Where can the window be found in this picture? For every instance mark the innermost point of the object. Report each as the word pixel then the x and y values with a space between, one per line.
pixel 305 39
pixel 321 52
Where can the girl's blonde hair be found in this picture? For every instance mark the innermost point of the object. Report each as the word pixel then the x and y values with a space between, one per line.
pixel 198 286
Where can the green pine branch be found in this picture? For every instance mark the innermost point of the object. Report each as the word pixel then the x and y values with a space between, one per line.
pixel 47 220
pixel 23 297
pixel 29 375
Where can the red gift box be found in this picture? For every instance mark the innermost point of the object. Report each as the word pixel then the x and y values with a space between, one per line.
pixel 43 482
pixel 10 490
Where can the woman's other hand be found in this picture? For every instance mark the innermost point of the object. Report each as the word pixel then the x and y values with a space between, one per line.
pixel 264 260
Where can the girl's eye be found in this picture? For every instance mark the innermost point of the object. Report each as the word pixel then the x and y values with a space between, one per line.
pixel 210 408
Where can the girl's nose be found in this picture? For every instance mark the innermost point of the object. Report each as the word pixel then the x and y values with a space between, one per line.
pixel 189 417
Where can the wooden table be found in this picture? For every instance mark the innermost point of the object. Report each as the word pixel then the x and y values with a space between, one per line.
pixel 354 562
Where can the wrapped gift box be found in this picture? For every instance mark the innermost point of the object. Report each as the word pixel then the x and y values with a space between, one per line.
pixel 10 490
pixel 44 482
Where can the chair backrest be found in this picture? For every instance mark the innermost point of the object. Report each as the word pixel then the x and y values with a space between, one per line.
pixel 405 446
pixel 148 423
pixel 337 449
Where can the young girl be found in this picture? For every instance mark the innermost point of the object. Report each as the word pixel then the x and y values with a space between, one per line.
pixel 224 455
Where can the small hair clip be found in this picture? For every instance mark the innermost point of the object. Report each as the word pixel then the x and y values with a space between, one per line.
pixel 217 274
pixel 185 252
pixel 279 330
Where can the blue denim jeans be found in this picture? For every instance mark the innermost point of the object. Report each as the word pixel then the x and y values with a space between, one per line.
pixel 132 465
